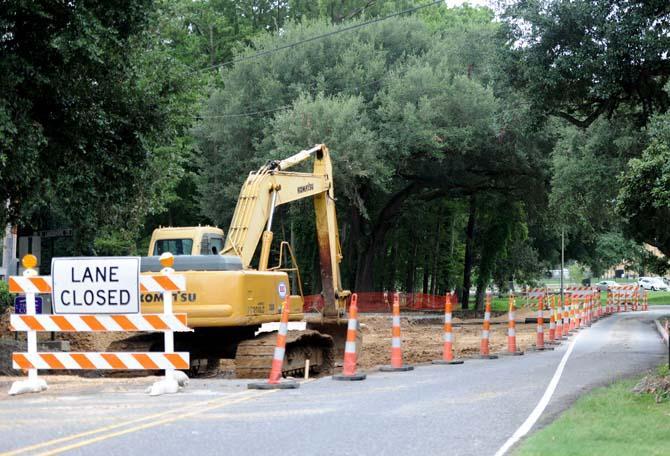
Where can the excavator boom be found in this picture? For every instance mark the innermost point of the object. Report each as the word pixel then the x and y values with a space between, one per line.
pixel 272 185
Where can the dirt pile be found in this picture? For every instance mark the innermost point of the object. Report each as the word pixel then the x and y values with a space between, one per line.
pixel 655 384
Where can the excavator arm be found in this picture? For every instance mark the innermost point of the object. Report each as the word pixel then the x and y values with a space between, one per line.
pixel 272 185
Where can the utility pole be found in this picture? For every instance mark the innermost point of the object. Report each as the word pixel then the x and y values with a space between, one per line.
pixel 562 260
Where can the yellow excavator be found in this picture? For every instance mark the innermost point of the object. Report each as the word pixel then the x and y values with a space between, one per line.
pixel 227 299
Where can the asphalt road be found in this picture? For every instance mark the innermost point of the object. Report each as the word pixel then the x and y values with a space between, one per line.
pixel 469 409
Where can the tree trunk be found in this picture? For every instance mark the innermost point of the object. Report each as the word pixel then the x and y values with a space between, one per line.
pixel 391 280
pixel 469 254
pixel 481 292
pixel 411 273
pixel 436 255
pixel 385 220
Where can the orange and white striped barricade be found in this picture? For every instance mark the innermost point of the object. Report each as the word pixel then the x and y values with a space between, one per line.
pixel 512 349
pixel 627 296
pixel 535 294
pixel 166 322
pixel 566 316
pixel 539 342
pixel 579 301
pixel 350 354
pixel 484 349
pixel 275 379
pixel 571 313
pixel 396 349
pixel 608 302
pixel 561 330
pixel 645 300
pixel 448 335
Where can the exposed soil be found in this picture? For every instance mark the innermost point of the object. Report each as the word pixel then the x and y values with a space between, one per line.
pixel 422 339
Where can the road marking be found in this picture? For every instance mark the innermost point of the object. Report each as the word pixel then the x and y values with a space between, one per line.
pixel 170 412
pixel 544 401
pixel 154 423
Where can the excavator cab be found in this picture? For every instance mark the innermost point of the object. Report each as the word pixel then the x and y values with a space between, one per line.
pixel 195 240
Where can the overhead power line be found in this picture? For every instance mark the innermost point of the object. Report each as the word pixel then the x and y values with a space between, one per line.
pixel 280 108
pixel 318 37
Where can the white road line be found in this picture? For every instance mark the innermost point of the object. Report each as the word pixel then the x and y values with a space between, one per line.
pixel 537 411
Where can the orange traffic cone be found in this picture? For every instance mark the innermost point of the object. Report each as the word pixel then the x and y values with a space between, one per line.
pixel 275 381
pixel 396 351
pixel 511 330
pixel 448 339
pixel 608 302
pixel 559 321
pixel 484 352
pixel 349 369
pixel 552 320
pixel 539 342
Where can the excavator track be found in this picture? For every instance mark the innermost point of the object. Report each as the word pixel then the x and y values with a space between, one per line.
pixel 254 356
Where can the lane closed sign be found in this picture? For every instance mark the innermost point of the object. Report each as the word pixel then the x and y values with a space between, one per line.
pixel 96 285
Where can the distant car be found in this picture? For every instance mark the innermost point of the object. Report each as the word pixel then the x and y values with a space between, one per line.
pixel 652 283
pixel 605 285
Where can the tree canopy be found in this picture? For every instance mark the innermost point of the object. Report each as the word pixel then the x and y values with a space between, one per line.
pixel 463 142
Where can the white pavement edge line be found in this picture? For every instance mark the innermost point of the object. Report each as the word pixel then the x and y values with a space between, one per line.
pixel 537 411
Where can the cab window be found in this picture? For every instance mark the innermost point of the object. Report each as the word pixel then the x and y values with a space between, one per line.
pixel 215 245
pixel 174 246
pixel 211 245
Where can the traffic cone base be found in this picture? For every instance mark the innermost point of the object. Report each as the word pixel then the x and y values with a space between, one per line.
pixel 545 348
pixel 285 384
pixel 507 353
pixel 487 357
pixel 443 362
pixel 396 369
pixel 352 378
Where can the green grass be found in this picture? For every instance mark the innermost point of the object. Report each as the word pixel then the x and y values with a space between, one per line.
pixel 608 421
pixel 659 297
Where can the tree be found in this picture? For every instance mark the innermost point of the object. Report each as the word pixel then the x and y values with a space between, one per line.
pixel 644 197
pixel 414 118
pixel 582 59
pixel 89 105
